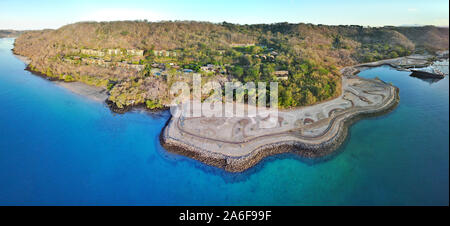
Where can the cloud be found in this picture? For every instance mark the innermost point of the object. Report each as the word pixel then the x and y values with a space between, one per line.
pixel 112 14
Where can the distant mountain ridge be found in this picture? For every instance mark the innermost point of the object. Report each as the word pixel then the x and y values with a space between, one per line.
pixel 10 33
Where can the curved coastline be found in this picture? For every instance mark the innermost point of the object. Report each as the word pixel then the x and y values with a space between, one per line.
pixel 244 162
pixel 240 164
pixel 308 150
pixel 92 92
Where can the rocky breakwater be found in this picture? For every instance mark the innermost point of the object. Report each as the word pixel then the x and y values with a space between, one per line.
pixel 238 143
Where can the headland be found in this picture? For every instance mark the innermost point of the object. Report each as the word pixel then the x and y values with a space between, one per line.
pixel 238 143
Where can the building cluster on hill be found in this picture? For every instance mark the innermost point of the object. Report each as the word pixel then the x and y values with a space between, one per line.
pixel 165 53
pixel 214 68
pixel 283 75
pixel 135 59
pixel 104 63
pixel 110 52
pixel 132 59
pixel 242 44
pixel 267 57
pixel 138 60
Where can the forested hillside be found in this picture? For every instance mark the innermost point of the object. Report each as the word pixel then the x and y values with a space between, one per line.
pixel 304 58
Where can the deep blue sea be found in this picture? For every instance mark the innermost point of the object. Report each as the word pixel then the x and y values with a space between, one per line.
pixel 59 148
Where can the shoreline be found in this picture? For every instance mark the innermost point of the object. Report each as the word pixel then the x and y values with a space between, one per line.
pixel 101 94
pixel 91 92
pixel 238 165
pixel 402 63
pixel 24 59
pixel 241 163
pixel 199 148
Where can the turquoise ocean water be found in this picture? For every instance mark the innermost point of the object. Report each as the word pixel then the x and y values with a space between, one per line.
pixel 58 148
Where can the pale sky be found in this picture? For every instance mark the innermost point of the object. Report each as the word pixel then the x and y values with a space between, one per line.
pixel 23 14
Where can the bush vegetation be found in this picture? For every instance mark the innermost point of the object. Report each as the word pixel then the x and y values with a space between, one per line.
pixel 312 54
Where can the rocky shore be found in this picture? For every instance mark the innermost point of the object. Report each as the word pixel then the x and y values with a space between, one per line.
pixel 240 164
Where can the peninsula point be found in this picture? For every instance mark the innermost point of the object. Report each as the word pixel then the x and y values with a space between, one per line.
pixel 238 143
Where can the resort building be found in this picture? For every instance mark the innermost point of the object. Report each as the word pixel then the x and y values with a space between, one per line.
pixel 134 52
pixel 92 52
pixel 283 75
pixel 242 44
pixel 164 53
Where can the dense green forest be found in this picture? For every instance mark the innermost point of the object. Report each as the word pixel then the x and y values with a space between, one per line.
pixel 309 55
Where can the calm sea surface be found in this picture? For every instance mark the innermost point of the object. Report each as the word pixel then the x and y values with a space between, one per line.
pixel 58 148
